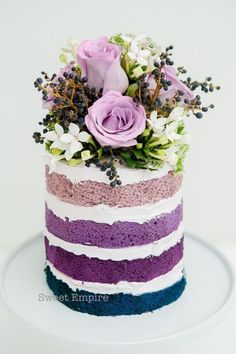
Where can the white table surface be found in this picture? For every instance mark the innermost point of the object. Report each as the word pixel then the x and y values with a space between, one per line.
pixel 16 337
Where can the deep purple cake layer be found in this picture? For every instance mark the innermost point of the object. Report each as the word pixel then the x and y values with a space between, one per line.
pixel 118 235
pixel 111 272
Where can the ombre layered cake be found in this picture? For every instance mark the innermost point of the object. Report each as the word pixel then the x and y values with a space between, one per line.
pixel 115 136
pixel 114 251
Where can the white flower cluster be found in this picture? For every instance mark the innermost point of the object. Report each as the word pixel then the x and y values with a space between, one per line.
pixel 165 129
pixel 142 52
pixel 72 44
pixel 69 143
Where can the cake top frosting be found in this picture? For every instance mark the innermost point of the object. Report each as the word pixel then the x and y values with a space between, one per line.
pixel 119 100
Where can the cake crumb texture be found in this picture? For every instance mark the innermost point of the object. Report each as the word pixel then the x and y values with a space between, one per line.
pixel 115 304
pixel 117 235
pixel 90 193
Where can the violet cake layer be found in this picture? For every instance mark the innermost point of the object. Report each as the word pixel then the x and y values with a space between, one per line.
pixel 115 235
pixel 155 248
pixel 98 241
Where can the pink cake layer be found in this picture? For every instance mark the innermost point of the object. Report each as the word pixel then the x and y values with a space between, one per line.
pixel 111 272
pixel 89 193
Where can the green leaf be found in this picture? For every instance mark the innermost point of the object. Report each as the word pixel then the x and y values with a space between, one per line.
pixel 181 153
pixel 139 146
pixel 163 140
pixel 125 63
pixel 132 90
pixel 63 58
pixel 154 143
pixel 181 127
pixel 56 152
pixel 74 162
pixel 146 132
pixel 92 142
pixel 100 152
pixel 179 166
pixel 137 72
pixel 139 154
pixel 160 152
pixel 85 155
pixel 117 39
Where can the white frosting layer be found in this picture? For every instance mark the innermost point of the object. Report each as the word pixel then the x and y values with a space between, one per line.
pixel 119 254
pixel 125 287
pixel 127 175
pixel 105 214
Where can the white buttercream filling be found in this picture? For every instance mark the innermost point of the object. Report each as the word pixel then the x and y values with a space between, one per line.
pixel 134 288
pixel 105 214
pixel 119 254
pixel 127 175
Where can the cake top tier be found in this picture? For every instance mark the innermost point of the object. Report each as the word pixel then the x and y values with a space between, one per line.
pixel 119 100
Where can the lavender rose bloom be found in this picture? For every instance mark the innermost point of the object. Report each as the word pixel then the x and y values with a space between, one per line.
pixel 115 120
pixel 177 85
pixel 100 63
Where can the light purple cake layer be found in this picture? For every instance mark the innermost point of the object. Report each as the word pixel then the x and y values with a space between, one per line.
pixel 118 235
pixel 111 272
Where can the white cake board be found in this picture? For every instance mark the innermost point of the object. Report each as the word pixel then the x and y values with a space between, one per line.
pixel 206 300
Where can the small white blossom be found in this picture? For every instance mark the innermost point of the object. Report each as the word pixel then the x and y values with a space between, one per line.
pixel 142 51
pixel 171 155
pixel 166 128
pixel 170 131
pixel 177 114
pixel 70 142
pixel 185 139
pixel 131 55
pixel 72 46
pixel 157 124
pixel 142 61
pixel 127 38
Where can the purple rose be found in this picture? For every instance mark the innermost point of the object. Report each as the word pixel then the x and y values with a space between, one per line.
pixel 100 63
pixel 115 120
pixel 177 85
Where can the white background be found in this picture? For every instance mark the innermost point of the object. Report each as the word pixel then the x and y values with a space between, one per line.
pixel 31 34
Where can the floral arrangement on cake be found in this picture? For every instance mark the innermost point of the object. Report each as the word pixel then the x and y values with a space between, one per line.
pixel 119 100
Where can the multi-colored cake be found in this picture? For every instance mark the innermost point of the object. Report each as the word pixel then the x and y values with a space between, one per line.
pixel 115 140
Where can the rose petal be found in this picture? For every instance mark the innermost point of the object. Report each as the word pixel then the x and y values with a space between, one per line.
pixel 116 78
pixel 95 58
pixel 116 120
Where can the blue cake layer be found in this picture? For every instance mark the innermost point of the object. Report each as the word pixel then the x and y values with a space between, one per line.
pixel 115 304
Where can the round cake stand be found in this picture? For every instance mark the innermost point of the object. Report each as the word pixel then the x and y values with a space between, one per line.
pixel 206 300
